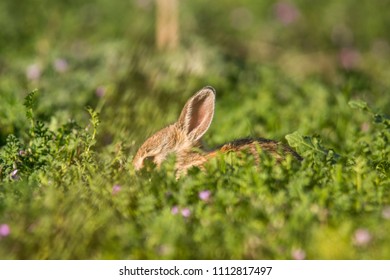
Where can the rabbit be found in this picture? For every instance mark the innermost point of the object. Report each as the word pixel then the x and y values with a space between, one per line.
pixel 183 138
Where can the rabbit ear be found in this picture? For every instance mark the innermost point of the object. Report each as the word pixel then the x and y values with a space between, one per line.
pixel 197 114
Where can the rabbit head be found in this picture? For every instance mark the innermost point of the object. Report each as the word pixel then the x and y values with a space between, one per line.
pixel 183 136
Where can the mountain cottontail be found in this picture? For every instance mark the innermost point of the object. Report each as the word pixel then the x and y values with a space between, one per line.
pixel 183 138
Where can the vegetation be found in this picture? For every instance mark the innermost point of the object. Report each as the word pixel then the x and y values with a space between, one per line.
pixel 82 86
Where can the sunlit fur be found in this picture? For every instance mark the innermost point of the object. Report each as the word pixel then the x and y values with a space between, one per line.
pixel 183 138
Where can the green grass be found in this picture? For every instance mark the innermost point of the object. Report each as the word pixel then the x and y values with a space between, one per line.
pixel 69 191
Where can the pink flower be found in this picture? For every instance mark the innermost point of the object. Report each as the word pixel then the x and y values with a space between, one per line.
pixel 60 65
pixel 33 72
pixel 298 254
pixel 175 210
pixel 286 13
pixel 100 91
pixel 185 212
pixel 116 189
pixel 4 230
pixel 349 58
pixel 362 237
pixel 205 195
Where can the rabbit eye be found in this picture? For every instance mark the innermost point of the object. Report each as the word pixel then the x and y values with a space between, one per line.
pixel 149 158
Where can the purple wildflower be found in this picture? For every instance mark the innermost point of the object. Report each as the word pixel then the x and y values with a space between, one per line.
pixel 205 195
pixel 100 91
pixel 298 254
pixel 116 189
pixel 175 210
pixel 349 58
pixel 185 212
pixel 60 65
pixel 33 72
pixel 4 230
pixel 362 237
pixel 286 13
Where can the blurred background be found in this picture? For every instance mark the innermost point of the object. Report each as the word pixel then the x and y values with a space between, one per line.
pixel 279 68
pixel 137 61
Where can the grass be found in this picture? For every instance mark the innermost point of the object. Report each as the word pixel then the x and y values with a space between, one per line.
pixel 69 191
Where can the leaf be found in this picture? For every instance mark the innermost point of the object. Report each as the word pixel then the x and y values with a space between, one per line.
pixel 29 104
pixel 359 104
pixel 382 119
pixel 377 118
pixel 294 139
pixel 310 144
pixel 304 143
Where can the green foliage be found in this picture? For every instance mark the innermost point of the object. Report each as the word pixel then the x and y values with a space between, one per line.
pixel 318 79
pixel 28 104
pixel 378 118
pixel 45 149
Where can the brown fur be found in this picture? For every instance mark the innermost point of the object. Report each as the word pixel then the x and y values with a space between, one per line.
pixel 183 138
